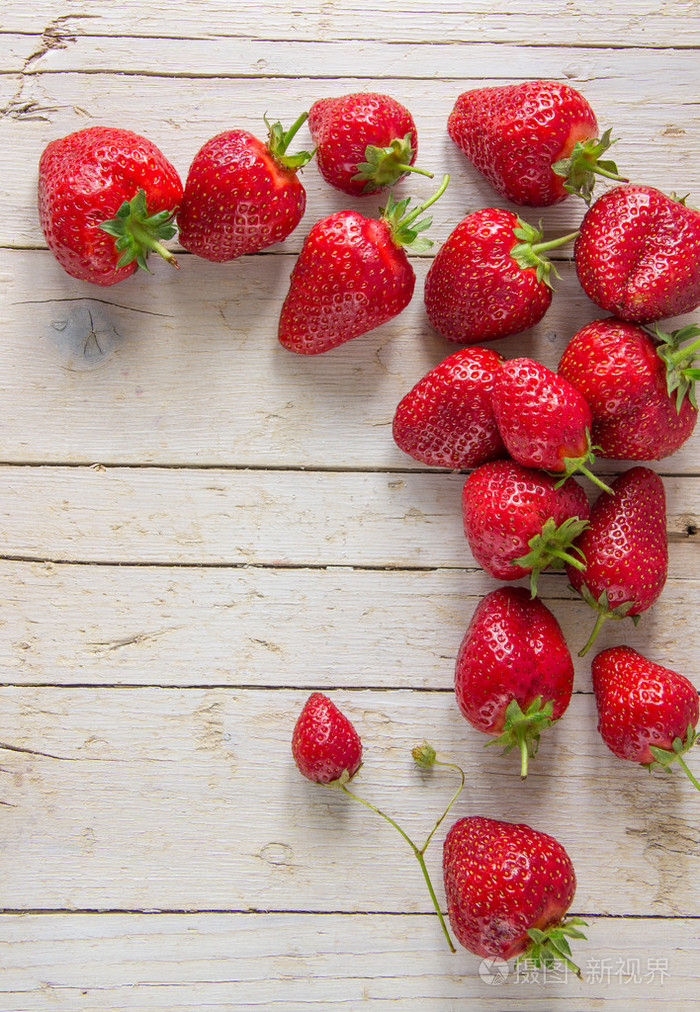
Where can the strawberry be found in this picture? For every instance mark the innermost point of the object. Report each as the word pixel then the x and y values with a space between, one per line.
pixel 490 278
pixel 625 548
pixel 325 745
pixel 446 420
pixel 638 254
pixel 535 142
pixel 514 674
pixel 101 184
pixel 646 713
pixel 639 386
pixel 519 521
pixel 365 141
pixel 508 888
pixel 242 195
pixel 352 275
pixel 543 420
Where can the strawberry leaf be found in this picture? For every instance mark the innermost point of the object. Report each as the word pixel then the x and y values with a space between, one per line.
pixel 403 226
pixel 551 946
pixel 137 234
pixel 385 166
pixel 584 163
pixel 678 359
pixel 550 548
pixel 279 140
pixel 523 729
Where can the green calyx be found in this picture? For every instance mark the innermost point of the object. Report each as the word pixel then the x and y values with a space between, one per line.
pixel 678 359
pixel 602 606
pixel 550 548
pixel 551 946
pixel 584 164
pixel 664 758
pixel 528 251
pixel 137 234
pixel 522 729
pixel 405 228
pixel 279 140
pixel 572 465
pixel 385 166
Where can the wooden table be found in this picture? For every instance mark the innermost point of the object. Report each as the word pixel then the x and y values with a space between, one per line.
pixel 198 528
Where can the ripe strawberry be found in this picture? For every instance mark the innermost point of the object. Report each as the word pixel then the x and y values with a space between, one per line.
pixel 508 888
pixel 242 195
pixel 543 420
pixel 626 549
pixel 639 387
pixel 103 183
pixel 446 420
pixel 514 674
pixel 535 142
pixel 365 141
pixel 490 278
pixel 518 520
pixel 325 745
pixel 638 254
pixel 352 275
pixel 646 713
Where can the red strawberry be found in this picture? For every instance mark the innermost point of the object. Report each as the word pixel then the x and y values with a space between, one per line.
pixel 535 142
pixel 446 420
pixel 518 520
pixel 325 745
pixel 508 888
pixel 638 254
pixel 639 387
pixel 365 141
pixel 490 278
pixel 543 420
pixel 514 674
pixel 103 183
pixel 242 195
pixel 351 276
pixel 625 548
pixel 646 713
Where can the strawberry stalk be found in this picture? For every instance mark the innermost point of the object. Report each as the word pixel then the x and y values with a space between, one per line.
pixel 522 729
pixel 384 166
pixel 137 234
pixel 279 141
pixel 528 251
pixel 604 613
pixel 663 758
pixel 403 230
pixel 550 548
pixel 574 464
pixel 584 164
pixel 552 946
pixel 425 757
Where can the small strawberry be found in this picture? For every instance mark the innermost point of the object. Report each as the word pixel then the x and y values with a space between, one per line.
pixel 646 713
pixel 508 888
pixel 543 420
pixel 535 142
pixel 514 674
pixel 352 275
pixel 325 745
pixel 104 184
pixel 242 195
pixel 638 254
pixel 625 547
pixel 490 278
pixel 365 141
pixel 639 386
pixel 446 420
pixel 519 521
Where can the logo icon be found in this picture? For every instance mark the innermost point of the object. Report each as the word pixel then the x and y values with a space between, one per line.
pixel 493 970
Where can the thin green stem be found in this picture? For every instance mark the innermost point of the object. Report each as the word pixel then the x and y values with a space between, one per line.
pixel 594 478
pixel 426 203
pixel 685 769
pixel 522 745
pixel 542 247
pixel 608 175
pixel 602 617
pixel 296 125
pixel 414 168
pixel 685 351
pixel 571 560
pixel 451 766
pixel 148 241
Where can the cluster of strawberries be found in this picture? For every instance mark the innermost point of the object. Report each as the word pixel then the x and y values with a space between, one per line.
pixel 109 198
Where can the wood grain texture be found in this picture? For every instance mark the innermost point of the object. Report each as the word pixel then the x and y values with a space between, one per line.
pixel 197 528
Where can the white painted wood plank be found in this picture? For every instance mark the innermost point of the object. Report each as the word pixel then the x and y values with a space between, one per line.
pixel 257 517
pixel 640 22
pixel 185 800
pixel 197 376
pixel 135 963
pixel 121 625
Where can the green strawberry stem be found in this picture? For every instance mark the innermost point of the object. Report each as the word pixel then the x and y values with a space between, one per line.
pixel 527 252
pixel 678 359
pixel 663 758
pixel 425 758
pixel 549 547
pixel 683 765
pixel 573 464
pixel 401 225
pixel 601 618
pixel 552 945
pixel 385 166
pixel 522 729
pixel 584 164
pixel 279 141
pixel 137 234
pixel 602 606
pixel 542 247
